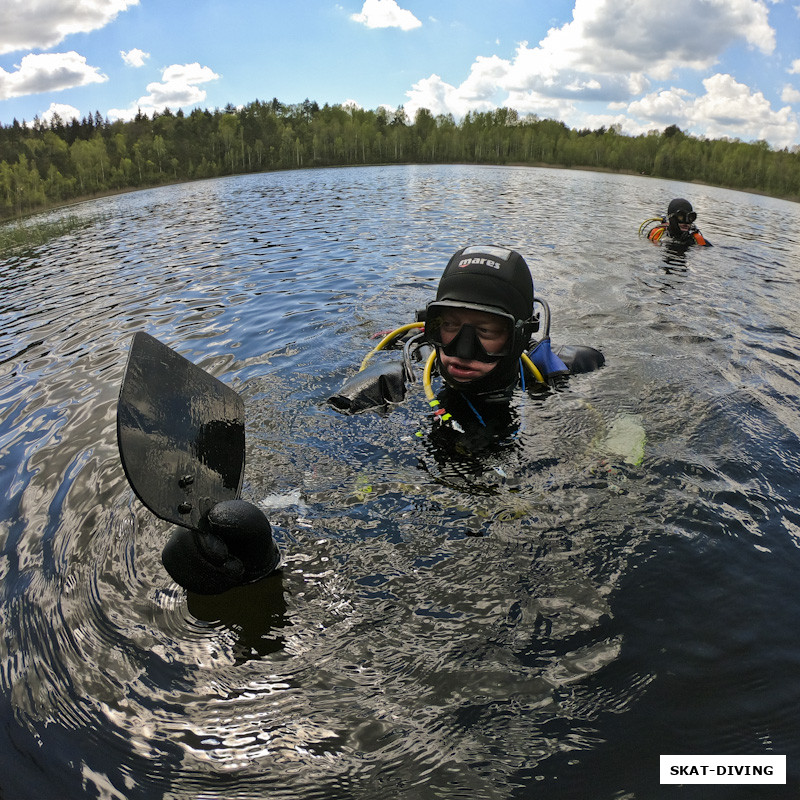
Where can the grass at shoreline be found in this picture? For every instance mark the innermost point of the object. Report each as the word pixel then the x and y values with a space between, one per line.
pixel 16 236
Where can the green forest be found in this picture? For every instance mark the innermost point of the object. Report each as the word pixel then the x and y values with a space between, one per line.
pixel 48 164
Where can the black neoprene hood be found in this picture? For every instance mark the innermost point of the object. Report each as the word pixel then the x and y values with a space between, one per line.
pixel 496 280
pixel 678 204
pixel 491 277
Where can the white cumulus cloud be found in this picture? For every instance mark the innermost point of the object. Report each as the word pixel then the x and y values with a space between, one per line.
pixel 439 97
pixel 48 72
pixel 134 57
pixel 386 14
pixel 64 112
pixel 666 107
pixel 179 87
pixel 732 108
pixel 790 94
pixel 41 24
pixel 727 109
pixel 645 36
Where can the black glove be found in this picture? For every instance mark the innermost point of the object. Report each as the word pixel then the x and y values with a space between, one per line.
pixel 234 547
pixel 580 358
pixel 376 386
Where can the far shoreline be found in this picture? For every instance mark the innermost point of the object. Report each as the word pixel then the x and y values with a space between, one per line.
pixel 7 220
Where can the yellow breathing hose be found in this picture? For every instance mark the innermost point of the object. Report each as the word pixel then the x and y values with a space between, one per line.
pixel 648 221
pixel 532 368
pixel 390 337
pixel 426 376
pixel 441 413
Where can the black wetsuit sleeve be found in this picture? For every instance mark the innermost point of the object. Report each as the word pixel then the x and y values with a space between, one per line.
pixel 580 358
pixel 376 386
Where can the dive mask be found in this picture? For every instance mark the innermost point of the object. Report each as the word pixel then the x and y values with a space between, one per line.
pixel 471 342
pixel 685 217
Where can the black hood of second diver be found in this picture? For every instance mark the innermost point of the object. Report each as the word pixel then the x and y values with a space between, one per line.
pixel 677 205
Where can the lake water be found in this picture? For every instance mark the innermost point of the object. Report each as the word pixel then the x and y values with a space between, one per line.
pixel 545 625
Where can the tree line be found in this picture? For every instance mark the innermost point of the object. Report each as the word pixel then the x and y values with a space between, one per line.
pixel 45 164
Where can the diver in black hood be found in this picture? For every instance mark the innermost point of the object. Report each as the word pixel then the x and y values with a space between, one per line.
pixel 677 226
pixel 478 336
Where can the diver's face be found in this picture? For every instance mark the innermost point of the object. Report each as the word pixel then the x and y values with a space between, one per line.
pixel 492 331
pixel 684 220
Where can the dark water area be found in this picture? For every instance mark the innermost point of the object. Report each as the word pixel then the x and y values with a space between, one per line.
pixel 545 624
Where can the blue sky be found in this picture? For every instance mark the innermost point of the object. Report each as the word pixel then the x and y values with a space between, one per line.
pixel 718 68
